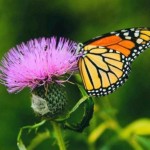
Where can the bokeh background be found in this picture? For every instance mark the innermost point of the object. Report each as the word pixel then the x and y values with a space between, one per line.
pixel 79 20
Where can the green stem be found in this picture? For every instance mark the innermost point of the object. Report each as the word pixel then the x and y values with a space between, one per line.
pixel 59 136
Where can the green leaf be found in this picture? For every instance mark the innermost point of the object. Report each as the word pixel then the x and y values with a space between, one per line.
pixel 35 127
pixel 62 119
pixel 145 142
pixel 138 127
pixel 87 115
pixel 20 145
pixel 97 132
pixel 38 139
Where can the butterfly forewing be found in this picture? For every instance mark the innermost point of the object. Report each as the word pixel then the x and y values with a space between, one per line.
pixel 105 63
pixel 130 42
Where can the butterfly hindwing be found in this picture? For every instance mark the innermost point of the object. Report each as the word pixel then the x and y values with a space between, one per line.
pixel 102 70
pixel 105 61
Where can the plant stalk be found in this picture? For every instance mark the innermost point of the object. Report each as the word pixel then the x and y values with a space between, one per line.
pixel 59 136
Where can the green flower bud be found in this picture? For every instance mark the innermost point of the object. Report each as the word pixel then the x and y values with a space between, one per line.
pixel 49 101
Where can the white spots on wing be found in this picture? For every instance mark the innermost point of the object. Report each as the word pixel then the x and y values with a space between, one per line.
pixel 137 31
pixel 123 30
pixel 136 34
pixel 132 29
pixel 138 53
pixel 139 41
pixel 117 34
pixel 126 33
pixel 123 56
pixel 101 47
pixel 128 37
pixel 110 50
pixel 117 52
pixel 129 58
pixel 112 32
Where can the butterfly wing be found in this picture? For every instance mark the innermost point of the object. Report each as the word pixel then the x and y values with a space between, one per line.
pixel 105 61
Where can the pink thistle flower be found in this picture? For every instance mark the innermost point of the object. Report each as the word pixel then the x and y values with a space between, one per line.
pixel 37 62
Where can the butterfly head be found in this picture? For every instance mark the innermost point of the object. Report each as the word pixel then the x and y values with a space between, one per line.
pixel 80 50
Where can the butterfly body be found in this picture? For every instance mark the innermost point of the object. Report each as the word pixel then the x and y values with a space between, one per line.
pixel 105 61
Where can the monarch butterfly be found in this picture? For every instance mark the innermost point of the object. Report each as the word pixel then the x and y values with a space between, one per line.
pixel 105 61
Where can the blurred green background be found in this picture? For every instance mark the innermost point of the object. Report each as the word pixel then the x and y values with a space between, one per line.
pixel 80 20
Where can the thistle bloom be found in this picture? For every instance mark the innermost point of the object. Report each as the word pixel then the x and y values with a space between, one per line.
pixel 40 65
pixel 37 62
